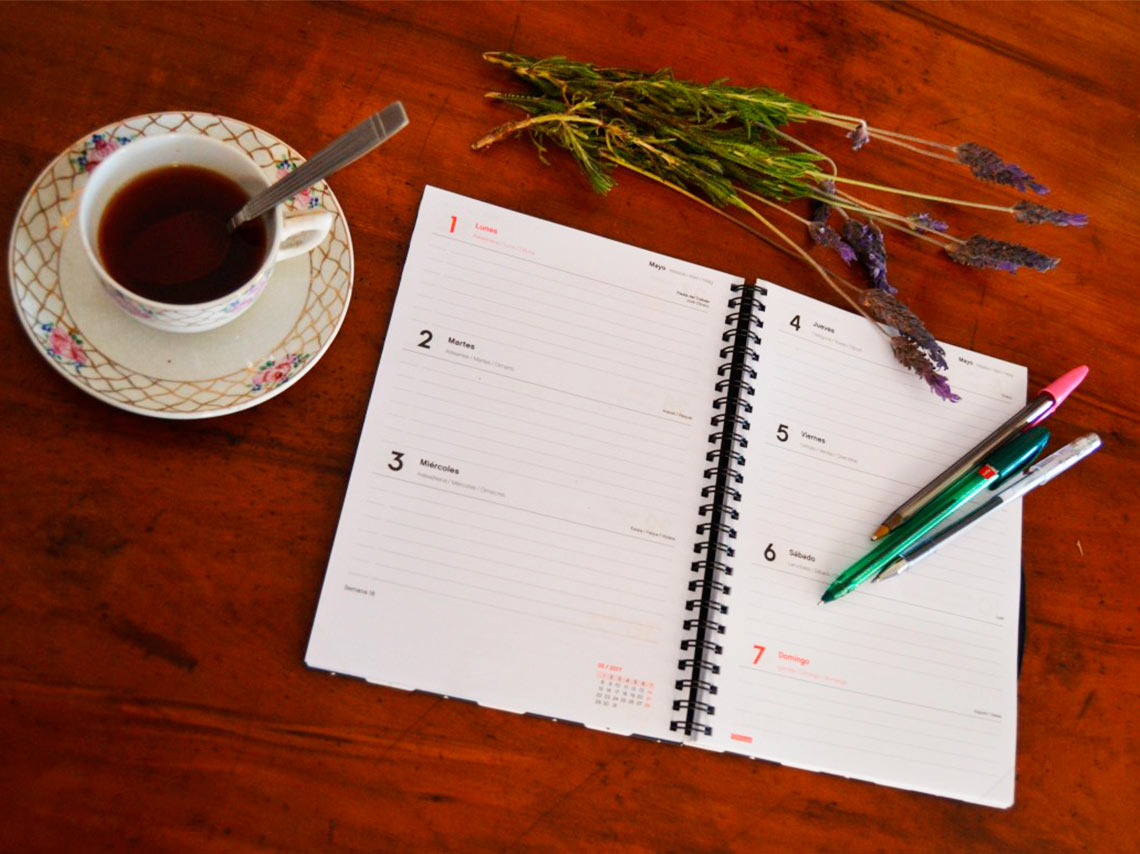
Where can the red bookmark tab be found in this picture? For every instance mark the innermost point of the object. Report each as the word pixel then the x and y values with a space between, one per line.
pixel 987 471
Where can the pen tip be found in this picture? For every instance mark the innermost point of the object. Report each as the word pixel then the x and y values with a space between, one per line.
pixel 880 532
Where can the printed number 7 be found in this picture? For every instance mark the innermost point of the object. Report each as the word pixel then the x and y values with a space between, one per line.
pixel 759 652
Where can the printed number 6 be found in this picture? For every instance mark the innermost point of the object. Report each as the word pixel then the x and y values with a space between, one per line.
pixel 770 553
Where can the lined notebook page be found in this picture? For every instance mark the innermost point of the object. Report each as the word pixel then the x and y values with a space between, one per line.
pixel 910 682
pixel 519 522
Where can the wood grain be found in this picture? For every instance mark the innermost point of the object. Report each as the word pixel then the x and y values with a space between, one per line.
pixel 161 577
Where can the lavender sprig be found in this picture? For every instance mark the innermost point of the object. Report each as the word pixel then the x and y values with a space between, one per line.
pixel 980 251
pixel 859 136
pixel 987 166
pixel 867 241
pixel 887 308
pixel 924 222
pixel 907 353
pixel 1032 213
pixel 825 235
pixel 821 232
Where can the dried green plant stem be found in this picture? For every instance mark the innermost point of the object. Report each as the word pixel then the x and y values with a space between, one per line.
pixel 726 148
pixel 922 146
pixel 840 179
pixel 788 246
pixel 844 202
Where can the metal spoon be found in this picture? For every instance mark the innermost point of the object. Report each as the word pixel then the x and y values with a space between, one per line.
pixel 336 155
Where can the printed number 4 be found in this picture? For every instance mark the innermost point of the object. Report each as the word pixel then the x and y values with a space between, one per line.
pixel 759 652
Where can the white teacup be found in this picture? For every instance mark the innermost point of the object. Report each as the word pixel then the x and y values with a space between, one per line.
pixel 286 238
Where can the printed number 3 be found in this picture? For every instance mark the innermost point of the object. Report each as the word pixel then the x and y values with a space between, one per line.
pixel 397 462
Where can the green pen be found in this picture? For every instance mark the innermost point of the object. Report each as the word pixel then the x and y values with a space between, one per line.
pixel 1011 457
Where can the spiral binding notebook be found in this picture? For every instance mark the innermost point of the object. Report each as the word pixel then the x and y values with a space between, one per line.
pixel 605 486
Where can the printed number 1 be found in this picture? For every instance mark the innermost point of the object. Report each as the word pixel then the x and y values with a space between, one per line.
pixel 452 229
pixel 759 652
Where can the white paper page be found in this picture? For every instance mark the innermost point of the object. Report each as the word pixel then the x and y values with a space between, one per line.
pixel 519 523
pixel 911 682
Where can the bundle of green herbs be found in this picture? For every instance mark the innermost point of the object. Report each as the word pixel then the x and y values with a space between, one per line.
pixel 728 148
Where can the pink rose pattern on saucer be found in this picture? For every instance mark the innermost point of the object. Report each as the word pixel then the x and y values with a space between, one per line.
pixel 64 346
pixel 34 271
pixel 97 149
pixel 276 372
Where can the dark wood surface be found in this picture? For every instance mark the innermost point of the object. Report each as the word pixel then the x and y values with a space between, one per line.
pixel 160 578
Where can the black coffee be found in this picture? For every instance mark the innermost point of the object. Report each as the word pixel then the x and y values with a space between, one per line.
pixel 163 236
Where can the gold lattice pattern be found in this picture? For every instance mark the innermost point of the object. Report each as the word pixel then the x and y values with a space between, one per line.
pixel 34 269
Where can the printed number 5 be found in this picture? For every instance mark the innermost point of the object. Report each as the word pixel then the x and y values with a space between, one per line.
pixel 397 462
pixel 782 432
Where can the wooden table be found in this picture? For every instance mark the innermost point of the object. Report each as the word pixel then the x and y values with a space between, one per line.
pixel 160 577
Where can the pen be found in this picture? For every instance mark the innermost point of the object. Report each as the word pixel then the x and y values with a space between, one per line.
pixel 1033 477
pixel 1013 456
pixel 1047 400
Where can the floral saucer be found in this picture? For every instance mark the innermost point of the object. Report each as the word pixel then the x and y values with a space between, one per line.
pixel 94 344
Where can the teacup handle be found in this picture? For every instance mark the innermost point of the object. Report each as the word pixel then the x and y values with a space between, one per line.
pixel 302 234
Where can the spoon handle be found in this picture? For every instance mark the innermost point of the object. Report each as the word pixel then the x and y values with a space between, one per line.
pixel 337 154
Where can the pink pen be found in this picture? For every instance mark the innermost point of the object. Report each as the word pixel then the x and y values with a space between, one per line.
pixel 1037 410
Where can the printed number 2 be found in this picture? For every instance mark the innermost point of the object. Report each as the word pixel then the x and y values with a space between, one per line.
pixel 397 462
pixel 759 652
pixel 425 343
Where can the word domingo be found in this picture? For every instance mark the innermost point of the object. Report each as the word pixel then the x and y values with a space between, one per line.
pixel 802 662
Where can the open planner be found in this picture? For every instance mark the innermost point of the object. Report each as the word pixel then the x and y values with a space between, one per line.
pixel 605 486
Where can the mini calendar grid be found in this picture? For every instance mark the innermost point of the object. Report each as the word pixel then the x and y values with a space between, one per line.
pixel 614 689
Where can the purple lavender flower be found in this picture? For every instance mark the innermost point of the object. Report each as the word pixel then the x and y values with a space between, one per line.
pixel 859 137
pixel 1035 214
pixel 825 235
pixel 889 309
pixel 923 222
pixel 980 251
pixel 909 355
pixel 821 232
pixel 867 241
pixel 987 166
